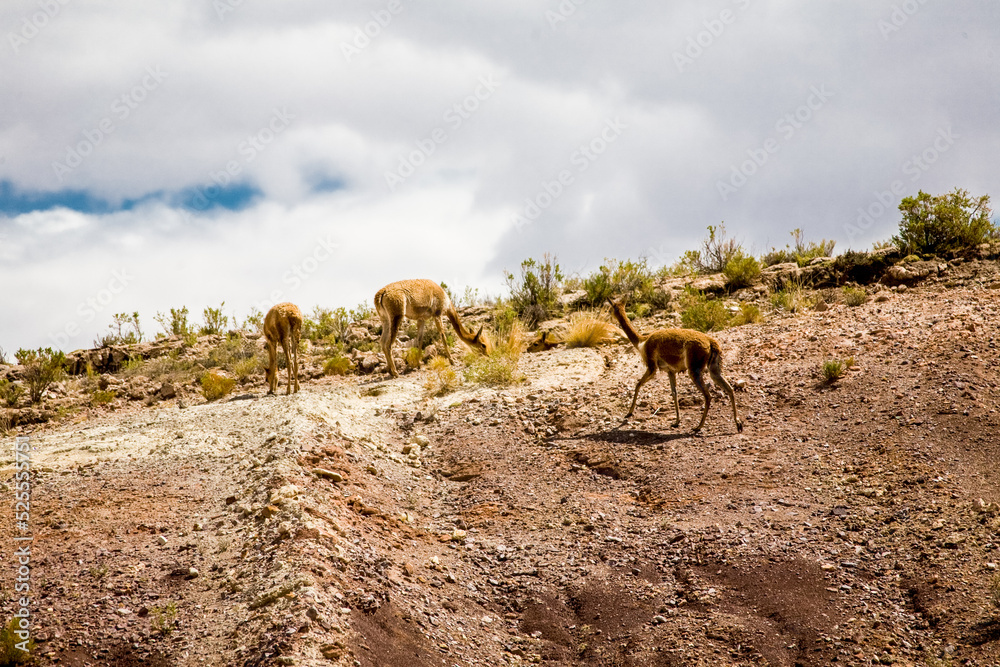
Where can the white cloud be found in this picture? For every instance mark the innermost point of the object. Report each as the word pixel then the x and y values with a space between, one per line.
pixel 357 116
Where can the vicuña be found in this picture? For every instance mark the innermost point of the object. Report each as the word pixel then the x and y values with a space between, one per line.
pixel 677 350
pixel 283 324
pixel 543 343
pixel 419 300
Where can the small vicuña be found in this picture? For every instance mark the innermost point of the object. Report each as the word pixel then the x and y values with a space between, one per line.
pixel 283 324
pixel 677 350
pixel 419 300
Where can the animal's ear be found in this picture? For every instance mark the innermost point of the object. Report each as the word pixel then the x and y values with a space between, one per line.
pixel 545 335
pixel 478 333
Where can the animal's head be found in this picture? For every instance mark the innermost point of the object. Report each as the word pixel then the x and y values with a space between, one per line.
pixel 542 343
pixel 480 343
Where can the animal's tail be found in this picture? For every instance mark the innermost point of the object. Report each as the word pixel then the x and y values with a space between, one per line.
pixel 715 355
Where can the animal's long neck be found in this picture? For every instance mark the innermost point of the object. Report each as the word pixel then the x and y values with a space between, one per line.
pixel 452 316
pixel 633 336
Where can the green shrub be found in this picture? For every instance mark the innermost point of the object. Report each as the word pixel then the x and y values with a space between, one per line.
pixel 441 377
pixel 749 314
pixel 163 619
pixel 627 280
pixel 235 349
pixel 791 297
pixel 42 367
pixel 534 296
pixel 338 365
pixel 215 321
pixel 10 393
pixel 124 330
pixel 132 364
pixel 704 315
pixel 215 385
pixel 715 253
pixel 854 296
pixel 944 224
pixel 741 271
pixel 499 367
pixel 863 267
pixel 413 356
pixel 244 368
pixel 175 324
pixel 254 322
pixel 102 397
pixel 12 647
pixel 801 252
pixel 832 370
pixel 470 297
pixel 325 324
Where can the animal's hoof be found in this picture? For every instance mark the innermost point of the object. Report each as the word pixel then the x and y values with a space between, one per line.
pixel 739 427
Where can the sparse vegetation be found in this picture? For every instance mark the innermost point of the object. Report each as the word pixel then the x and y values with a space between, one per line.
pixel 801 252
pixel 413 356
pixel 13 649
pixel 704 314
pixel 834 369
pixel 588 330
pixel 10 393
pixel 944 224
pixel 254 322
pixel 215 385
pixel 741 271
pixel 749 313
pixel 534 296
pixel 215 321
pixel 338 365
pixel 791 298
pixel 441 377
pixel 716 252
pixel 854 296
pixel 500 366
pixel 163 618
pixel 176 323
pixel 42 367
pixel 124 330
pixel 102 397
pixel 628 280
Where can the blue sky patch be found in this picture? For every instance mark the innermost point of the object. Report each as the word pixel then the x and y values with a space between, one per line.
pixel 16 201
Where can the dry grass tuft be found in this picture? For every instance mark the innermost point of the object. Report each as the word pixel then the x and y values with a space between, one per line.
pixel 215 385
pixel 499 368
pixel 413 356
pixel 441 377
pixel 589 330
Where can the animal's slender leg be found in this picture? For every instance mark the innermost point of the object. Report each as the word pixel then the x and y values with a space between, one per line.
pixel 673 393
pixel 699 382
pixel 444 339
pixel 650 372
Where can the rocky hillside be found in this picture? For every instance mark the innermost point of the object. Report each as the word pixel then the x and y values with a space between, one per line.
pixel 364 521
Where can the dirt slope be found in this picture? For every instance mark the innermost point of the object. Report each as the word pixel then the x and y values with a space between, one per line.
pixel 850 524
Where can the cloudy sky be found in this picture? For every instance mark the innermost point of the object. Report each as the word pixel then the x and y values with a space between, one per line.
pixel 158 155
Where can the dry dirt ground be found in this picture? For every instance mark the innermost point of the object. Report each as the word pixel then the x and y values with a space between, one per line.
pixel 363 522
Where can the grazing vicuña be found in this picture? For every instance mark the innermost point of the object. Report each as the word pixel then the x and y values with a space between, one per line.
pixel 283 324
pixel 419 300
